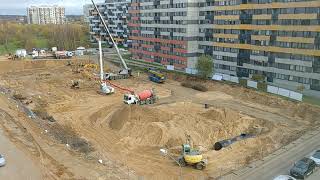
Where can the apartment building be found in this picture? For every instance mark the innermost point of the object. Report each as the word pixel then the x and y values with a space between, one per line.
pixel 46 15
pixel 279 39
pixel 115 14
pixel 171 32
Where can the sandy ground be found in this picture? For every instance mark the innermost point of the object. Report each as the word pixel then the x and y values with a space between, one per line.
pixel 127 138
pixel 19 165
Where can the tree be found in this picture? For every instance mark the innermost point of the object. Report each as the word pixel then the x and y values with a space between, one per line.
pixel 205 66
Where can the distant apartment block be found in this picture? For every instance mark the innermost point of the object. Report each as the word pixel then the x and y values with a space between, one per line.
pixel 46 15
pixel 171 32
pixel 115 14
pixel 278 39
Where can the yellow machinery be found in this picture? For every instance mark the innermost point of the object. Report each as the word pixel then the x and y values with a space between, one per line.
pixel 91 66
pixel 192 157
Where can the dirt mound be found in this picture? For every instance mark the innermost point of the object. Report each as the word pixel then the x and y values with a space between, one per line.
pixel 118 118
pixel 155 126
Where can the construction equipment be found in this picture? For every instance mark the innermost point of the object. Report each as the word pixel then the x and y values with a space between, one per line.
pixel 191 157
pixel 124 73
pixel 63 54
pixel 91 66
pixel 42 54
pixel 104 88
pixel 145 97
pixel 155 76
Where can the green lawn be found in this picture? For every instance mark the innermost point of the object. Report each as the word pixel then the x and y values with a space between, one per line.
pixel 311 100
pixel 14 45
pixel 10 49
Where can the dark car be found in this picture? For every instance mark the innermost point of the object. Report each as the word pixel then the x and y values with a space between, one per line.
pixel 303 168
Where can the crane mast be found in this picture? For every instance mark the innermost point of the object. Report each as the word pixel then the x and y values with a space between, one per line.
pixel 114 43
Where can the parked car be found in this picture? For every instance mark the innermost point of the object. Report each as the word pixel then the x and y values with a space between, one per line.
pixel 2 160
pixel 303 168
pixel 316 157
pixel 284 177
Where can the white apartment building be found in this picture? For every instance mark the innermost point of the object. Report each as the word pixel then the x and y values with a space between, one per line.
pixel 46 15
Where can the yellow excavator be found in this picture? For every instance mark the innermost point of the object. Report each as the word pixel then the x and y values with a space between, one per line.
pixel 91 66
pixel 192 157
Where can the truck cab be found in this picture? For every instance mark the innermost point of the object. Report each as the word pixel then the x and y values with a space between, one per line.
pixel 130 99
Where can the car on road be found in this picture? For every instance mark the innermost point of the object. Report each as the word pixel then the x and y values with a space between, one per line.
pixel 284 177
pixel 303 168
pixel 316 157
pixel 2 160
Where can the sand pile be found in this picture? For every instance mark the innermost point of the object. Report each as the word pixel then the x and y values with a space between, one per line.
pixel 156 126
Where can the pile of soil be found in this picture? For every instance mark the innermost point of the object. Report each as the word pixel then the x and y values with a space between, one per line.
pixel 156 126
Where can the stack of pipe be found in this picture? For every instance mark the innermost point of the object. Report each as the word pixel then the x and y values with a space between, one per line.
pixel 227 142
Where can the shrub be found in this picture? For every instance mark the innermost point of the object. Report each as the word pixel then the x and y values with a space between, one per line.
pixel 258 77
pixel 262 86
pixel 198 87
pixel 243 82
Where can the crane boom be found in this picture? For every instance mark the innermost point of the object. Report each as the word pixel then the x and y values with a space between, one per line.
pixel 107 29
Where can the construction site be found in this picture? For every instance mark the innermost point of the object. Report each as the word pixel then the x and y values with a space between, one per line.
pixel 75 132
pixel 89 118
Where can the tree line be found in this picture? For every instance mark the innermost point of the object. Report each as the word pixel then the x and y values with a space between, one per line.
pixel 66 37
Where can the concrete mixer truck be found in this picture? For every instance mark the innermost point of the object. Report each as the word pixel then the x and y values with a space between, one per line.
pixel 145 97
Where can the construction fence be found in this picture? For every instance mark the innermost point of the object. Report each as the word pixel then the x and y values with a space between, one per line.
pixel 261 86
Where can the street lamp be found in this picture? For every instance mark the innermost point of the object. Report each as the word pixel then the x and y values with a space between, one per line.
pixel 166 153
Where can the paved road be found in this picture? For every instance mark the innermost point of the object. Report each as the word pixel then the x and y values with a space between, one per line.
pixel 19 166
pixel 281 161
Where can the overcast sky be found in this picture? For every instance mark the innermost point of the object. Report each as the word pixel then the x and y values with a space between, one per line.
pixel 18 7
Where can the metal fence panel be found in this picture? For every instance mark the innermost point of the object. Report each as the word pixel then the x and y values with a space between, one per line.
pixel 234 79
pixel 217 77
pixel 295 96
pixel 170 67
pixel 252 84
pixel 284 92
pixel 272 89
pixel 226 77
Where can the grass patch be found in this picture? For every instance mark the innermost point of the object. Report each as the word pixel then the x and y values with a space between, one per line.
pixel 311 100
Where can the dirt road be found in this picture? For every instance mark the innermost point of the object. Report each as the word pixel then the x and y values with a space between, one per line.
pixel 280 161
pixel 19 165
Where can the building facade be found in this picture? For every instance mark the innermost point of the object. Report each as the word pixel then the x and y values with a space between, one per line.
pixel 169 32
pixel 115 14
pixel 277 39
pixel 46 15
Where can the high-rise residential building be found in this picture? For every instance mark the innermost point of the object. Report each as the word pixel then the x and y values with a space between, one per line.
pixel 46 15
pixel 277 39
pixel 115 14
pixel 171 32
